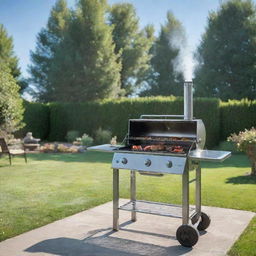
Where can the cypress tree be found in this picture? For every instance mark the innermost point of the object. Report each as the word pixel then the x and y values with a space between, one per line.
pixel 164 79
pixel 132 44
pixel 48 41
pixel 85 66
pixel 227 53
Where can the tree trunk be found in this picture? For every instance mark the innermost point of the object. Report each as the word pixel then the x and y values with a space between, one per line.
pixel 251 153
pixel 253 172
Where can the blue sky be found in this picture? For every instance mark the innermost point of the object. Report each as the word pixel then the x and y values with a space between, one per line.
pixel 23 19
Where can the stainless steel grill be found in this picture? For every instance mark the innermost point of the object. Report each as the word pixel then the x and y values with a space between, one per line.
pixel 165 144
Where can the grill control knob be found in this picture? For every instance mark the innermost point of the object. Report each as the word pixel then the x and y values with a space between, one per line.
pixel 148 162
pixel 169 164
pixel 124 161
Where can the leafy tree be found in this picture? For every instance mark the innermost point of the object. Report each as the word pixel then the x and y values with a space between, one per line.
pixel 85 66
pixel 165 78
pixel 132 44
pixel 48 41
pixel 8 57
pixel 11 109
pixel 227 53
pixel 6 52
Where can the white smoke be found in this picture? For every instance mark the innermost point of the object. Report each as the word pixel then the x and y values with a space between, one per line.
pixel 184 62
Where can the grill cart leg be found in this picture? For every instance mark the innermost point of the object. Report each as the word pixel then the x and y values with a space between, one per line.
pixel 133 194
pixel 198 189
pixel 185 196
pixel 205 219
pixel 197 216
pixel 186 234
pixel 115 199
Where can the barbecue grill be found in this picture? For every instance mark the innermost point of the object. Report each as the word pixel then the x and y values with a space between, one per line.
pixel 165 144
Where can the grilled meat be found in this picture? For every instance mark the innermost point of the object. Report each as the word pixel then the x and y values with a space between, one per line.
pixel 137 147
pixel 154 148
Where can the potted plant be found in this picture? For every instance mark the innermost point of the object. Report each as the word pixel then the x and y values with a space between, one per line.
pixel 246 142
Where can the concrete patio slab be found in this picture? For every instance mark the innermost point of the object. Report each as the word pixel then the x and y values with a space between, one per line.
pixel 89 233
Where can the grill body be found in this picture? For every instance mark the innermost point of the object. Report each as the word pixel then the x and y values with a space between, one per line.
pixel 160 135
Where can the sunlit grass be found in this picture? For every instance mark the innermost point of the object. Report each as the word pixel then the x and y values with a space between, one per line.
pixel 53 186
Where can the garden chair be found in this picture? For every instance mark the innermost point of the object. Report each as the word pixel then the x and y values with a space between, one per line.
pixel 11 152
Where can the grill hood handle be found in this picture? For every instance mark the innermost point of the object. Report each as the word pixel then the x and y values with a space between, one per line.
pixel 161 116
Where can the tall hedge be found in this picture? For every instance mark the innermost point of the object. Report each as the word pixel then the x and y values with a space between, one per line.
pixel 236 116
pixel 114 115
pixel 36 119
pixel 54 120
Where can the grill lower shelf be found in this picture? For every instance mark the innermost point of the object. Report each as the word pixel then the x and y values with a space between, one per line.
pixel 155 208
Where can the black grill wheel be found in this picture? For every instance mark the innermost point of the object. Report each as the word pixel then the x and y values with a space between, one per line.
pixel 205 222
pixel 187 235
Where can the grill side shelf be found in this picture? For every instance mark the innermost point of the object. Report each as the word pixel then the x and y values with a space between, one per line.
pixel 105 148
pixel 155 208
pixel 209 155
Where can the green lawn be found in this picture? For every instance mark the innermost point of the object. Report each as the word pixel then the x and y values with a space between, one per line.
pixel 53 186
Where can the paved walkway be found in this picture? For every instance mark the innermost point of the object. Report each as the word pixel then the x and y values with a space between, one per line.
pixel 89 233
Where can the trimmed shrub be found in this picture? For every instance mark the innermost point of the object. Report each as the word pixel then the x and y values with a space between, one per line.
pixel 86 140
pixel 102 136
pixel 237 116
pixel 36 119
pixel 71 136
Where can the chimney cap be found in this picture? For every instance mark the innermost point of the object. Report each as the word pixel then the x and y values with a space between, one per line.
pixel 188 82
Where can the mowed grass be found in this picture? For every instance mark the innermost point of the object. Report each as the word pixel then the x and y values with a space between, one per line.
pixel 53 186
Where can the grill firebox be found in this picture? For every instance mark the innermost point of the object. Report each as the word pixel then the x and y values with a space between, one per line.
pixel 164 144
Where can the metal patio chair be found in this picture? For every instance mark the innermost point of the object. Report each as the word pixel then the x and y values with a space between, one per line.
pixel 11 152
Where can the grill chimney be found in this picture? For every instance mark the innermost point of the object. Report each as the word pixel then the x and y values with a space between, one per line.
pixel 188 100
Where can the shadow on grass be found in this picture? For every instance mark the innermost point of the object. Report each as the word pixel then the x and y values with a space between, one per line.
pixel 245 179
pixel 87 157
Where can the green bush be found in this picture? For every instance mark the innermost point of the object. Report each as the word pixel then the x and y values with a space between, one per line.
pixel 72 135
pixel 227 146
pixel 102 136
pixel 86 140
pixel 237 116
pixel 36 119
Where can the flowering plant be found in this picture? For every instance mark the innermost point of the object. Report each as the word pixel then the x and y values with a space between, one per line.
pixel 246 142
pixel 58 148
pixel 48 148
pixel 65 149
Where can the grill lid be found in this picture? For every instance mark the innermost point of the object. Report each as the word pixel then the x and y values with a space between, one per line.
pixel 149 131
pixel 162 128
